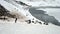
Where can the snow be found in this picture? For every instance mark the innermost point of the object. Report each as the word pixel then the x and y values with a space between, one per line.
pixel 18 28
pixel 10 27
pixel 41 2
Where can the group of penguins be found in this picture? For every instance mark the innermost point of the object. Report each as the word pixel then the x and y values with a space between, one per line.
pixel 4 12
pixel 43 17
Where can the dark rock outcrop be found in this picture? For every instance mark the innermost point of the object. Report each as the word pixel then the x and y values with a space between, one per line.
pixel 4 12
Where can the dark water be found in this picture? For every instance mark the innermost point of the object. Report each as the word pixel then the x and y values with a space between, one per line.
pixel 41 15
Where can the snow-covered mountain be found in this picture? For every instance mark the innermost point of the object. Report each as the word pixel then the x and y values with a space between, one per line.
pixel 21 10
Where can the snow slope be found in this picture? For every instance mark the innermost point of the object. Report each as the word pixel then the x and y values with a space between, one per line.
pixel 41 2
pixel 18 28
pixel 24 28
pixel 12 6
